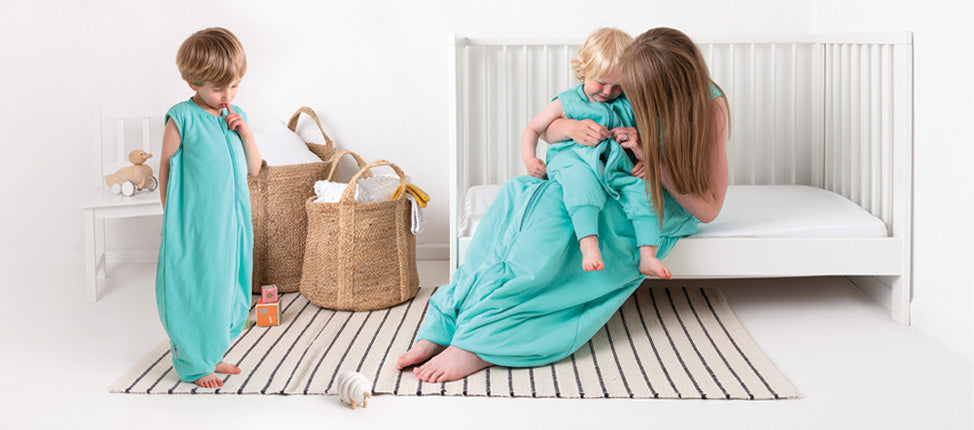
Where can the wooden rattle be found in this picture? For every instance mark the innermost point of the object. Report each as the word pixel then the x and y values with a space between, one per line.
pixel 354 388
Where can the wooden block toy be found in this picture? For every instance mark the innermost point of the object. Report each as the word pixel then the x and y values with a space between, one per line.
pixel 268 314
pixel 268 293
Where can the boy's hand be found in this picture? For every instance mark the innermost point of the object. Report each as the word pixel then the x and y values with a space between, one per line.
pixel 236 123
pixel 536 168
pixel 587 132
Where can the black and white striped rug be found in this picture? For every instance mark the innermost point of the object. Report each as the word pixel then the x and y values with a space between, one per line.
pixel 664 343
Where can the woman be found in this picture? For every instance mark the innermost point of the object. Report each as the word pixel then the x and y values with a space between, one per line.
pixel 521 298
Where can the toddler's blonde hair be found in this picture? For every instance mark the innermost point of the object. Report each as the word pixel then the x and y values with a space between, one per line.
pixel 211 56
pixel 600 53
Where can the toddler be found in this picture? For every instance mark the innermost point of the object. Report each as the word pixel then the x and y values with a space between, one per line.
pixel 588 173
pixel 203 279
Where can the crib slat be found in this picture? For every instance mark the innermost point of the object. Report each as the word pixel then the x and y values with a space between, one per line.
pixel 120 140
pixel 751 160
pixel 887 127
pixel 774 112
pixel 733 156
pixel 505 163
pixel 874 132
pixel 487 94
pixel 863 143
pixel 794 114
pixel 854 106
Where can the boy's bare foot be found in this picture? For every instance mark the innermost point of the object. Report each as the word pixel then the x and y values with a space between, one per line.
pixel 209 381
pixel 654 267
pixel 421 351
pixel 649 265
pixel 591 254
pixel 450 365
pixel 224 367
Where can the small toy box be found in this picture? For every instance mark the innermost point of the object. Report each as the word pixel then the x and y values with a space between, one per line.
pixel 268 314
pixel 268 293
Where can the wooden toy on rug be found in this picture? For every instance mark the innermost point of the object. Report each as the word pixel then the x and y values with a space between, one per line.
pixel 354 388
pixel 268 307
pixel 268 293
pixel 137 177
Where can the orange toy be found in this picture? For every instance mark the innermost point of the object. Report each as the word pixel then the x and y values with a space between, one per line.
pixel 268 314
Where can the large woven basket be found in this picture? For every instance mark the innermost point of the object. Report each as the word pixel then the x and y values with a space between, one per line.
pixel 277 198
pixel 360 256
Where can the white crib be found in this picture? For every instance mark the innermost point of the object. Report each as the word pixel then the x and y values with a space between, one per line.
pixel 833 112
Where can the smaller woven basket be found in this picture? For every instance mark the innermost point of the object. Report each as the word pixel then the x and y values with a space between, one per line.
pixel 360 256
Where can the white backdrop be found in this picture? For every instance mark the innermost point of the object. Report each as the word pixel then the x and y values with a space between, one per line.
pixel 375 71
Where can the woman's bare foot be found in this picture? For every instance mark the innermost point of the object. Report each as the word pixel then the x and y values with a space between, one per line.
pixel 224 367
pixel 421 351
pixel 209 381
pixel 649 265
pixel 591 254
pixel 450 365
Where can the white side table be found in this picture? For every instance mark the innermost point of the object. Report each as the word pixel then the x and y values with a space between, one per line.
pixel 102 205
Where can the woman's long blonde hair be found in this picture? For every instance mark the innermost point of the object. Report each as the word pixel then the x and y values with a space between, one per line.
pixel 666 79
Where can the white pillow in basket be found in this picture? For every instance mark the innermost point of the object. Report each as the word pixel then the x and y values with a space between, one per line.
pixel 279 146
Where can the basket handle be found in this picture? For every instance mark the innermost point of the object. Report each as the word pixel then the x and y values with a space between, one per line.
pixel 338 156
pixel 348 196
pixel 293 123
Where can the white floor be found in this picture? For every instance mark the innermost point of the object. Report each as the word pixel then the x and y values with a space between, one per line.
pixel 855 367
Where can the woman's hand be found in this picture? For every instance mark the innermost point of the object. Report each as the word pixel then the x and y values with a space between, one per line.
pixel 639 170
pixel 628 138
pixel 587 132
pixel 536 167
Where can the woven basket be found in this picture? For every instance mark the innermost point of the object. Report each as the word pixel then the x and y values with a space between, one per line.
pixel 360 256
pixel 277 198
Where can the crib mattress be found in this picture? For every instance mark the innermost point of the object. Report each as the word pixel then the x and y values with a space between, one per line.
pixel 749 211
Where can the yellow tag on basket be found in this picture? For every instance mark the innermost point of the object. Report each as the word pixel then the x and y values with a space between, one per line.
pixel 418 194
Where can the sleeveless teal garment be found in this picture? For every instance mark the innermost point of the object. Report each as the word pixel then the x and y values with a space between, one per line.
pixel 205 259
pixel 521 298
pixel 588 174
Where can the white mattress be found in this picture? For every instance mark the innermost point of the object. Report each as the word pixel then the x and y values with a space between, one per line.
pixel 749 211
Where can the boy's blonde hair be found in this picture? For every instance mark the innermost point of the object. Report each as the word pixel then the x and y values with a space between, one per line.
pixel 600 53
pixel 213 55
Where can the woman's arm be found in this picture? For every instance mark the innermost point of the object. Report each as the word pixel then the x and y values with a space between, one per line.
pixel 707 207
pixel 586 131
pixel 170 144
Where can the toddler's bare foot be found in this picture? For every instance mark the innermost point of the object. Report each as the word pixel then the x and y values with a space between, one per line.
pixel 591 254
pixel 421 351
pixel 651 266
pixel 450 365
pixel 224 367
pixel 209 381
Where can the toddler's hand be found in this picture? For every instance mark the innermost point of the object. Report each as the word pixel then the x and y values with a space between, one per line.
pixel 536 168
pixel 587 132
pixel 236 123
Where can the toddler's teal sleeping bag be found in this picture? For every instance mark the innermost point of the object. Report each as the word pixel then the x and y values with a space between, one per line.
pixel 205 259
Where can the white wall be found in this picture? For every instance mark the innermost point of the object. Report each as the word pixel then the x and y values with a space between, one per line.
pixel 943 298
pixel 376 73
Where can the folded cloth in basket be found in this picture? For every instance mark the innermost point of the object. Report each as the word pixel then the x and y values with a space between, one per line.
pixel 374 189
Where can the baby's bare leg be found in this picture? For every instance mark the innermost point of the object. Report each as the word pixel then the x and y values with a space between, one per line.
pixel 649 265
pixel 591 254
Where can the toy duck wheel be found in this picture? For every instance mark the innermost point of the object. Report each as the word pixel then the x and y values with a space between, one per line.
pixel 128 188
pixel 153 183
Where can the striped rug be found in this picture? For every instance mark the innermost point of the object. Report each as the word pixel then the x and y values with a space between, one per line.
pixel 664 343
